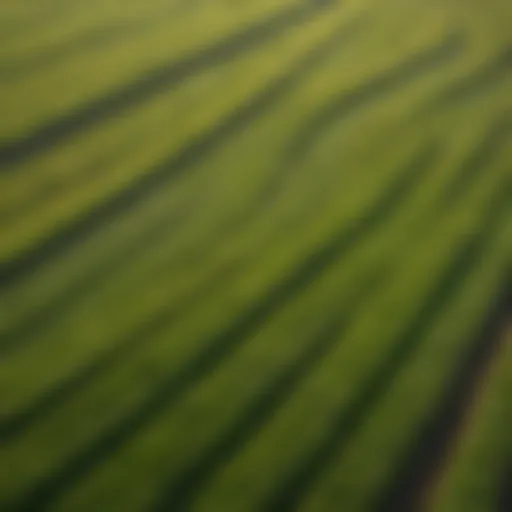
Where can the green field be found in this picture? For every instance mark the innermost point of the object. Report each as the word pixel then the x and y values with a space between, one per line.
pixel 255 255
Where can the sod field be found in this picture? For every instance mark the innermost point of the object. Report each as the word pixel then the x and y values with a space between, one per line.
pixel 255 255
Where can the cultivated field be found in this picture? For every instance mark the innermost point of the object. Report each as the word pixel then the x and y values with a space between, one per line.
pixel 255 255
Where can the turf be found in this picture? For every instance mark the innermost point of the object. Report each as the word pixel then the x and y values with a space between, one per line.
pixel 248 254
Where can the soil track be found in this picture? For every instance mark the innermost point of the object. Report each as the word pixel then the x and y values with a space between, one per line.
pixel 411 487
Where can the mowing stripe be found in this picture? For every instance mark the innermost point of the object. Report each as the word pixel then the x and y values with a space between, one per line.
pixel 212 304
pixel 177 495
pixel 15 425
pixel 76 185
pixel 223 344
pixel 93 38
pixel 162 78
pixel 96 38
pixel 18 423
pixel 490 74
pixel 505 497
pixel 21 334
pixel 373 90
pixel 427 454
pixel 290 492
pixel 497 137
pixel 163 173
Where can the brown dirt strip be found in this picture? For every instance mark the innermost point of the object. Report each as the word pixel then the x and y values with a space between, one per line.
pixel 473 404
pixel 222 344
pixel 413 485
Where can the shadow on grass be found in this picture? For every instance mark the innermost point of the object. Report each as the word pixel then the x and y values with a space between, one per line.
pixel 178 494
pixel 23 333
pixel 350 102
pixel 223 344
pixel 83 175
pixel 91 39
pixel 161 78
pixel 350 418
pixel 497 138
pixel 476 83
pixel 49 12
pixel 163 173
pixel 505 491
pixel 17 424
pixel 407 489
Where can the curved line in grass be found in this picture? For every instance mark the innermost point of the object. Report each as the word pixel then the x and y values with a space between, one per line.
pixel 161 78
pixel 351 417
pixel 223 344
pixel 19 336
pixel 178 494
pixel 405 490
pixel 161 174
pixel 372 90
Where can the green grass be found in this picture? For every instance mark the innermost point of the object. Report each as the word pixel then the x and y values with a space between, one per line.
pixel 475 480
pixel 247 282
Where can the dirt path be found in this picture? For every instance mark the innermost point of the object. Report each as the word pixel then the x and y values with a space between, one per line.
pixel 470 408
pixel 425 468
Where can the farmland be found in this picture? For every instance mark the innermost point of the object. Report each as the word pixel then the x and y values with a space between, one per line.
pixel 255 255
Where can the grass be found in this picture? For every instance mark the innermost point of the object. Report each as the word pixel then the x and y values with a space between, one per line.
pixel 246 249
pixel 476 480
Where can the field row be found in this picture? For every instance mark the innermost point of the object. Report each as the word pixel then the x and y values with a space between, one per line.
pixel 230 261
